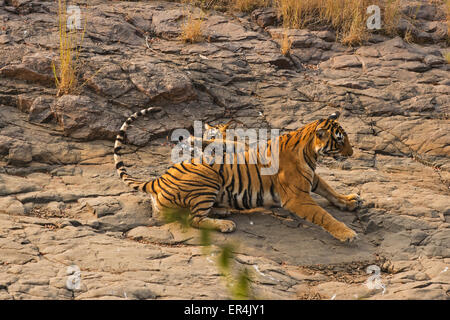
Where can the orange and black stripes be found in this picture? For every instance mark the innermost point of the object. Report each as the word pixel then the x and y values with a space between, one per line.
pixel 120 166
pixel 238 181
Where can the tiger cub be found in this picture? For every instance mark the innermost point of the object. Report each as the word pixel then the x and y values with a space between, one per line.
pixel 203 188
pixel 212 133
pixel 219 131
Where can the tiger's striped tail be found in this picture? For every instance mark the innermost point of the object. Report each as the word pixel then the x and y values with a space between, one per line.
pixel 121 170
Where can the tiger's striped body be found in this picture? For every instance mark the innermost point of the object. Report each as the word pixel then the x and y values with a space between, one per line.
pixel 214 189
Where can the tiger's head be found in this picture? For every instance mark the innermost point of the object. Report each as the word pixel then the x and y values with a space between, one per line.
pixel 331 139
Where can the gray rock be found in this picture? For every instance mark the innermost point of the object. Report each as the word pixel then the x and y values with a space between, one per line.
pixel 10 185
pixel 11 206
pixel 4 39
pixel 326 35
pixel 155 79
pixel 433 60
pixel 217 28
pixel 345 61
pixel 422 11
pixel 166 23
pixel 101 206
pixel 265 17
pixel 34 68
pixel 414 66
pixel 417 237
pixel 80 117
pixel 20 153
pixel 5 144
pixel 111 30
pixel 350 83
pixel 151 234
pixel 41 109
pixel 108 79
pixel 372 226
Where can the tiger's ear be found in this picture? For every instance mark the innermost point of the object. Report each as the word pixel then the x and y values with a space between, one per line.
pixel 226 125
pixel 207 126
pixel 322 133
pixel 335 115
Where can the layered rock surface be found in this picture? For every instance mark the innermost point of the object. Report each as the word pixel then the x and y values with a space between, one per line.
pixel 62 204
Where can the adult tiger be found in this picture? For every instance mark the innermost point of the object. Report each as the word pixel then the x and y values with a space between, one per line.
pixel 207 189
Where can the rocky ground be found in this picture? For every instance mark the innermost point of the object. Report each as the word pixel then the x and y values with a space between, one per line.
pixel 62 204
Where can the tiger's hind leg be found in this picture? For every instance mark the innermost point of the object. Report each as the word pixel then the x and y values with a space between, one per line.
pixel 221 225
pixel 201 218
pixel 345 202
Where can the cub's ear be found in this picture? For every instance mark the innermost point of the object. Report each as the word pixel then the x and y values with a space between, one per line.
pixel 335 115
pixel 322 133
pixel 207 126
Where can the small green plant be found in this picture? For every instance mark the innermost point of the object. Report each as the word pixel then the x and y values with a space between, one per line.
pixel 179 216
pixel 237 281
pixel 241 289
pixel 225 256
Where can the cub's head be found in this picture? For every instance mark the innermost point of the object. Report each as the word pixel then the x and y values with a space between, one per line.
pixel 219 130
pixel 331 139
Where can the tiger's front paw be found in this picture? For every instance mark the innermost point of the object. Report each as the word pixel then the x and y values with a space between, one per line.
pixel 353 202
pixel 345 234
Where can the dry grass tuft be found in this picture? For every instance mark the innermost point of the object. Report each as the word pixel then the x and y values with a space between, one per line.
pixel 347 17
pixel 409 36
pixel 447 57
pixel 191 31
pixel 391 16
pixel 248 5
pixel 66 74
pixel 286 44
pixel 357 32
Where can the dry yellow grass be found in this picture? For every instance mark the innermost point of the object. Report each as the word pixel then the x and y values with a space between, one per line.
pixel 248 5
pixel 286 44
pixel 409 37
pixel 69 47
pixel 191 31
pixel 229 5
pixel 297 14
pixel 447 57
pixel 357 32
pixel 391 16
pixel 347 17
